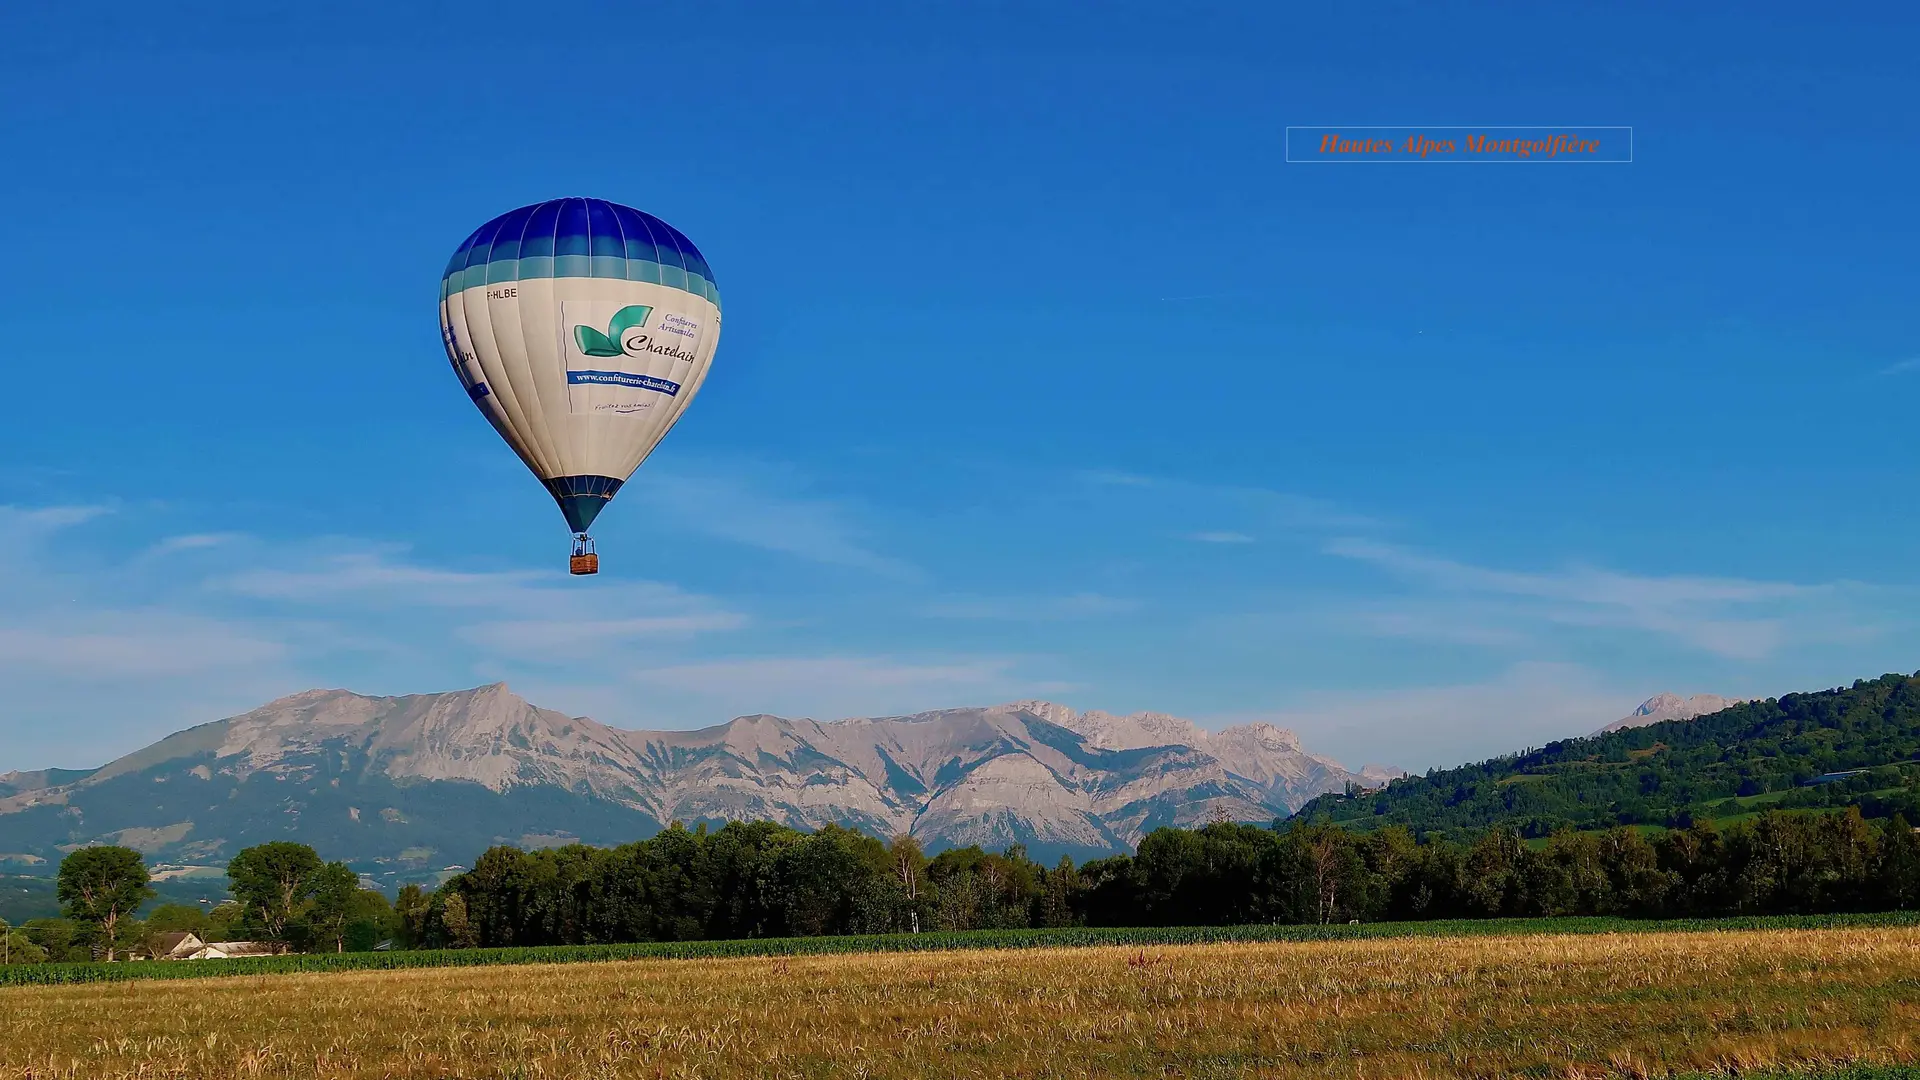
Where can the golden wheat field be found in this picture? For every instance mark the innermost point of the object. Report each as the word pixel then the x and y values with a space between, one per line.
pixel 1481 1007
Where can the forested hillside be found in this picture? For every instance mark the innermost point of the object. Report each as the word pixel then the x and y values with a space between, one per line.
pixel 1780 753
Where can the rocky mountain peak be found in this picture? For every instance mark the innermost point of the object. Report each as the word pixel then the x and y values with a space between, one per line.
pixel 1661 705
pixel 1262 734
pixel 1669 706
pixel 1058 715
pixel 1134 731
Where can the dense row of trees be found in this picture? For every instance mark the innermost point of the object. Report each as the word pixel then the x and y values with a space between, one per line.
pixel 765 880
pixel 1779 864
pixel 754 880
pixel 1772 753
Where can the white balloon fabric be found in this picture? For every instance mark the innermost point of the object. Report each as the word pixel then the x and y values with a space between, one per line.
pixel 582 329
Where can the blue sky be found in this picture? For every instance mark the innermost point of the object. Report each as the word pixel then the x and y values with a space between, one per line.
pixel 1044 374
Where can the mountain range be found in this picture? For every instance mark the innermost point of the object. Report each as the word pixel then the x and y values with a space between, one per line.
pixel 415 784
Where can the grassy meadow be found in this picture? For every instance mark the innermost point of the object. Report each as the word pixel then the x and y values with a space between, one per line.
pixel 1488 1006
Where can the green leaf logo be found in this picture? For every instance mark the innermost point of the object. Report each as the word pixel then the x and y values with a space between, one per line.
pixel 594 343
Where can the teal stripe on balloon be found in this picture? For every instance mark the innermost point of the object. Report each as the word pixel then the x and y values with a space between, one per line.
pixel 587 266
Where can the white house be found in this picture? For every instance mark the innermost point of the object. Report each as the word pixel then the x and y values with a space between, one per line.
pixel 225 950
pixel 175 946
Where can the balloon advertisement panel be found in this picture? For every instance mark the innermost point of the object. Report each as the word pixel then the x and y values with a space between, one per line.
pixel 582 330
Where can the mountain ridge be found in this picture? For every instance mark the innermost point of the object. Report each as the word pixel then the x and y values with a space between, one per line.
pixel 337 765
pixel 1856 745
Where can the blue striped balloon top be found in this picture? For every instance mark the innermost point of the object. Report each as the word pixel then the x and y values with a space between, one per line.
pixel 579 238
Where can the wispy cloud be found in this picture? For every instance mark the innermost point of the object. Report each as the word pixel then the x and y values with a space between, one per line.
pixel 93 659
pixel 20 526
pixel 1528 704
pixel 195 542
pixel 377 575
pixel 1115 478
pixel 1031 608
pixel 1730 617
pixel 565 639
pixel 1262 509
pixel 133 644
pixel 510 616
pixel 1221 537
pixel 738 507
pixel 1903 367
pixel 829 687
pixel 220 621
pixel 1457 624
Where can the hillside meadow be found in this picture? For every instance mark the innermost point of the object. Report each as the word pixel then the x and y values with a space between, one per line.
pixel 1562 1006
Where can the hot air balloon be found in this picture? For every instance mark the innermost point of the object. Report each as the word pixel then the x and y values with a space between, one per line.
pixel 582 329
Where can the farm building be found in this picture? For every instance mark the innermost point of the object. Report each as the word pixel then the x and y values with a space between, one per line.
pixel 175 946
pixel 224 950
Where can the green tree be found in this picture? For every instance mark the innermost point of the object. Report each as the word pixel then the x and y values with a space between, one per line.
pixel 1390 857
pixel 370 920
pixel 908 865
pixel 461 933
pixel 59 937
pixel 100 887
pixel 179 918
pixel 1635 883
pixel 1333 868
pixel 226 922
pixel 411 910
pixel 272 882
pixel 17 948
pixel 1492 872
pixel 822 874
pixel 1062 889
pixel 334 890
pixel 130 937
pixel 1899 864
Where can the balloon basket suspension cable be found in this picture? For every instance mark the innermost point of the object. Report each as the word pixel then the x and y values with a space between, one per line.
pixel 584 560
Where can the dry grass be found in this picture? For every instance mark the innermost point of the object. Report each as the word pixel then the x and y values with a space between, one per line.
pixel 1482 1007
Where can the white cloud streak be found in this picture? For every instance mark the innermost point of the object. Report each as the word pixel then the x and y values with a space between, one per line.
pixel 1221 538
pixel 740 511
pixel 1529 704
pixel 829 687
pixel 1031 609
pixel 1729 617
pixel 1262 509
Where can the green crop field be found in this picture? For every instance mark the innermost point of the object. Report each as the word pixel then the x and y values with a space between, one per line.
pixel 58 974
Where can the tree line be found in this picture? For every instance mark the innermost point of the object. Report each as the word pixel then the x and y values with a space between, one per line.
pixel 760 879
pixel 1857 745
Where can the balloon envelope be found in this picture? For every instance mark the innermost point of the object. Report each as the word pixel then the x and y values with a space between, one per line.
pixel 582 329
